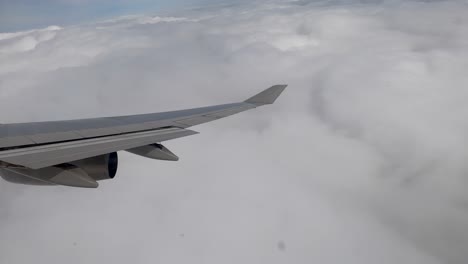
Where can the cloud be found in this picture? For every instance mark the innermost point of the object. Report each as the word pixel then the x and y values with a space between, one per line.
pixel 26 40
pixel 362 160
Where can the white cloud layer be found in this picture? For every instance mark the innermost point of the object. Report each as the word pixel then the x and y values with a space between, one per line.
pixel 362 160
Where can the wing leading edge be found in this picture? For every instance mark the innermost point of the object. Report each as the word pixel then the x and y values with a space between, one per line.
pixel 43 144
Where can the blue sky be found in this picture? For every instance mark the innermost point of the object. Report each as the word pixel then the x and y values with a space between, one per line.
pixel 28 14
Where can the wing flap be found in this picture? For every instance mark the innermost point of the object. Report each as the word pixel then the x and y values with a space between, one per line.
pixel 6 142
pixel 37 157
pixel 48 137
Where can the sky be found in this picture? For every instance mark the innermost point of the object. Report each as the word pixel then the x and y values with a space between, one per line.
pixel 27 14
pixel 361 160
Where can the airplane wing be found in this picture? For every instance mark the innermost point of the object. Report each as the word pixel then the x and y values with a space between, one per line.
pixel 43 144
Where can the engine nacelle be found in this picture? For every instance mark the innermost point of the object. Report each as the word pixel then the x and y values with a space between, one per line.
pixel 81 173
pixel 99 168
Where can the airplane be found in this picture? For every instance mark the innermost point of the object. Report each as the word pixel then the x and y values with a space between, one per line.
pixel 81 152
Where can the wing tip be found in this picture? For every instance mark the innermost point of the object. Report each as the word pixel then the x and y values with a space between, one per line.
pixel 267 96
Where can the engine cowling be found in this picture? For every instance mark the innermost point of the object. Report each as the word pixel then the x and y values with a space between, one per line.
pixel 101 167
pixel 81 173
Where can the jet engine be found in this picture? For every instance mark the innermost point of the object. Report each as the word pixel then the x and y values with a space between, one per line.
pixel 99 168
pixel 80 173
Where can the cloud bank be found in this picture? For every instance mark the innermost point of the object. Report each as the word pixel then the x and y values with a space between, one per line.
pixel 362 160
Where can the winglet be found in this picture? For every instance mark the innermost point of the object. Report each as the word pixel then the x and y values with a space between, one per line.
pixel 268 96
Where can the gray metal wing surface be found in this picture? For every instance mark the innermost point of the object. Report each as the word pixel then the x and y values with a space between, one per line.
pixel 42 144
